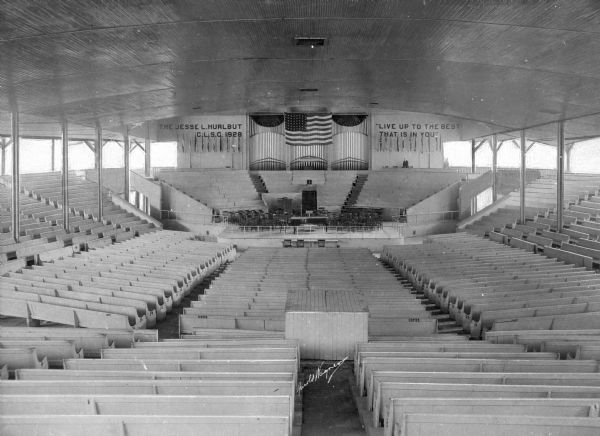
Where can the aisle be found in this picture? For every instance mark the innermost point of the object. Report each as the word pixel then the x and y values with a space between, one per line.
pixel 328 407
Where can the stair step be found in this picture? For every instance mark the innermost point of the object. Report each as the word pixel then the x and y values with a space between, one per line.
pixel 450 330
pixel 445 321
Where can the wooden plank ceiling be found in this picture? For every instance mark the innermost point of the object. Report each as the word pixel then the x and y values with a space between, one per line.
pixel 498 65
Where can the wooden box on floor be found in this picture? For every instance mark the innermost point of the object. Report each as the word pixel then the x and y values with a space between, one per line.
pixel 327 323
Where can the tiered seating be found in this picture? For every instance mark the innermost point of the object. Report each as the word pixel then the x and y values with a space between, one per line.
pixel 128 285
pixel 577 243
pixel 83 201
pixel 481 283
pixel 540 197
pixel 484 285
pixel 332 195
pixel 402 188
pixel 280 182
pixel 514 382
pixel 223 190
pixel 41 227
pixel 183 387
pixel 41 219
pixel 252 294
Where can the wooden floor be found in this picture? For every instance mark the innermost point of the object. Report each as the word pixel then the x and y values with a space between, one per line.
pixel 328 405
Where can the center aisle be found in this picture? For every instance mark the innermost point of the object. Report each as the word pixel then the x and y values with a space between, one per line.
pixel 329 408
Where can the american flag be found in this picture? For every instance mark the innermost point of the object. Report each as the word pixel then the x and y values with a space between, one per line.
pixel 308 129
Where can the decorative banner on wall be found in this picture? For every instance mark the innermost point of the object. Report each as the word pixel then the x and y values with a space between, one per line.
pixel 415 137
pixel 205 134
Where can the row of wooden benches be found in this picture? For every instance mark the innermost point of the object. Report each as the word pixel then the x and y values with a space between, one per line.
pixel 214 385
pixel 444 377
pixel 482 284
pixel 41 221
pixel 252 293
pixel 128 285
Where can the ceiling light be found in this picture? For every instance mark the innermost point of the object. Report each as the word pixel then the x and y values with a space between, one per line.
pixel 309 41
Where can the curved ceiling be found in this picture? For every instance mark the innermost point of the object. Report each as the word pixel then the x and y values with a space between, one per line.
pixel 497 65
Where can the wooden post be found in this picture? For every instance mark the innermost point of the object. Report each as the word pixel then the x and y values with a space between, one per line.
pixel 473 150
pixel 560 175
pixel 3 145
pixel 494 146
pixel 126 153
pixel 568 150
pixel 65 172
pixel 147 156
pixel 53 147
pixel 16 188
pixel 99 146
pixel 522 177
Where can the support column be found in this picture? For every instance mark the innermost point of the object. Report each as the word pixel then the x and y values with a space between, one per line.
pixel 52 166
pixel 65 173
pixel 494 146
pixel 522 177
pixel 126 153
pixel 560 174
pixel 568 150
pixel 3 145
pixel 473 150
pixel 99 166
pixel 16 188
pixel 147 157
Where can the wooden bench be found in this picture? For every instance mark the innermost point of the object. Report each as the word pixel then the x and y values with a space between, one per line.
pixel 579 321
pixel 502 378
pixel 485 319
pixel 33 311
pixel 200 353
pixel 516 336
pixel 208 333
pixel 120 338
pixel 143 405
pixel 471 365
pixel 26 357
pixel 437 346
pixel 563 407
pixel 92 374
pixel 134 320
pixel 206 365
pixel 498 425
pixel 132 386
pixel 385 391
pixel 569 257
pixel 54 351
pixel 102 425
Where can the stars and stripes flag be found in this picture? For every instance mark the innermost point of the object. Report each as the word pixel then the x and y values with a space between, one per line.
pixel 308 129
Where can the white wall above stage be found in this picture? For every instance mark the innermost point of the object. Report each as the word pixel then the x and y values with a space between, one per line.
pixel 215 141
pixel 415 137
